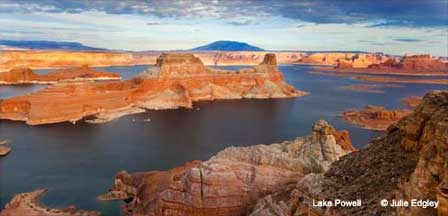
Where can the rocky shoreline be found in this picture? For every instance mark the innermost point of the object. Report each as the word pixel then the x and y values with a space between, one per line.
pixel 28 204
pixel 231 182
pixel 408 162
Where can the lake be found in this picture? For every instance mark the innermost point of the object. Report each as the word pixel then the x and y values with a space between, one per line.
pixel 78 162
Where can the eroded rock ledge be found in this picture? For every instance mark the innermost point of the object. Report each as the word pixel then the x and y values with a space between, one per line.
pixel 413 64
pixel 231 182
pixel 177 81
pixel 22 75
pixel 409 162
pixel 28 204
pixel 374 117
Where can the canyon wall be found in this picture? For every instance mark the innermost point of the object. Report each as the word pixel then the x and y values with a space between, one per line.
pixel 176 82
pixel 232 181
pixel 56 59
pixel 413 64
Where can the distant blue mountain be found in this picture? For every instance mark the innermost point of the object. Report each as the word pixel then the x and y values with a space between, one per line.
pixel 54 45
pixel 227 46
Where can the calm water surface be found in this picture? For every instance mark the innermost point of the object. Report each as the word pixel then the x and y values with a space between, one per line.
pixel 78 162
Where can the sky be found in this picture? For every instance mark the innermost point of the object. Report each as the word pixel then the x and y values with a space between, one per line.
pixel 390 26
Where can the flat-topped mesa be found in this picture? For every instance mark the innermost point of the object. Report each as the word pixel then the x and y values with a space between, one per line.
pixel 24 75
pixel 230 182
pixel 414 63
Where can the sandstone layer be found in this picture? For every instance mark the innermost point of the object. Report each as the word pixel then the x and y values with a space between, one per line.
pixel 415 64
pixel 356 60
pixel 28 204
pixel 233 180
pixel 412 101
pixel 409 162
pixel 374 117
pixel 57 59
pixel 23 75
pixel 177 81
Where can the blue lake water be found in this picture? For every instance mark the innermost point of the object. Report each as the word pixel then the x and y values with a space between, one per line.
pixel 78 162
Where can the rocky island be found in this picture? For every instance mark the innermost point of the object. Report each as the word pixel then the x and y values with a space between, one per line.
pixel 28 204
pixel 177 81
pixel 231 182
pixel 22 75
pixel 374 117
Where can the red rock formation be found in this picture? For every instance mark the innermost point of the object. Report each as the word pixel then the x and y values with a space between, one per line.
pixel 419 64
pixel 412 101
pixel 28 204
pixel 231 182
pixel 178 81
pixel 374 117
pixel 26 76
pixel 4 150
pixel 362 60
pixel 409 162
pixel 55 59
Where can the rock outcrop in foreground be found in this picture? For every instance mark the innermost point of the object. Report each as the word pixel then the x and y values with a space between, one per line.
pixel 23 75
pixel 409 162
pixel 28 204
pixel 374 117
pixel 177 81
pixel 231 182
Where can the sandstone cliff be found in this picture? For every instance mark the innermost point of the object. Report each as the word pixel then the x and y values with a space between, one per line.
pixel 374 117
pixel 22 75
pixel 177 81
pixel 233 180
pixel 409 162
pixel 415 64
pixel 28 204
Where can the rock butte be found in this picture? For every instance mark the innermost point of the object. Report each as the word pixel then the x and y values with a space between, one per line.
pixel 374 117
pixel 177 81
pixel 415 64
pixel 231 182
pixel 23 75
pixel 28 204
pixel 408 162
